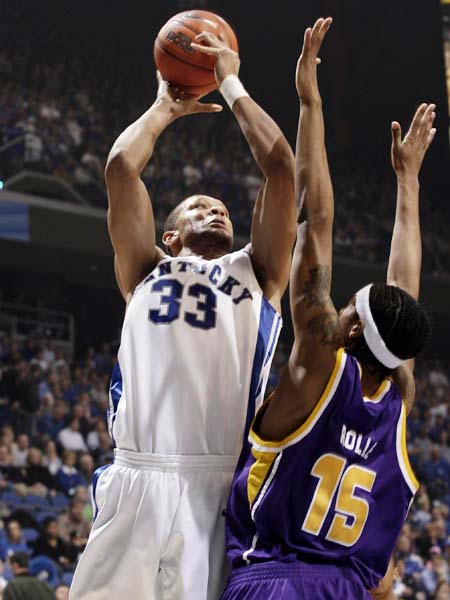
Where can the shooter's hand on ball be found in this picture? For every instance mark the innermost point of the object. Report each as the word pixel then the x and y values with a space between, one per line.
pixel 227 62
pixel 407 155
pixel 179 106
pixel 306 75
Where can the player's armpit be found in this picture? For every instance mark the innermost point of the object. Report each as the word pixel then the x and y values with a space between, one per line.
pixel 404 380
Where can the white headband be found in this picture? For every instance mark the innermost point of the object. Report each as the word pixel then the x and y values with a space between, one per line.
pixel 371 334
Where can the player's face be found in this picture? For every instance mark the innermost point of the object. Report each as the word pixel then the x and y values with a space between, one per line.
pixel 203 215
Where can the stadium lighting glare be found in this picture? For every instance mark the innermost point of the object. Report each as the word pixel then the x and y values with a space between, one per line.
pixel 1 184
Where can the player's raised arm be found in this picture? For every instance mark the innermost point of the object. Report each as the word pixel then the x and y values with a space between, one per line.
pixel 405 260
pixel 273 225
pixel 316 324
pixel 130 215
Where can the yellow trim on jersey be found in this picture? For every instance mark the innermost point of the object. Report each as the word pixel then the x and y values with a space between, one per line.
pixel 406 462
pixel 324 397
pixel 382 389
pixel 258 472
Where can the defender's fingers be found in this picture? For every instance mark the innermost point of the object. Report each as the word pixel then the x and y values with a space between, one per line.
pixel 431 137
pixel 306 41
pixel 396 134
pixel 206 49
pixel 325 27
pixel 415 124
pixel 427 121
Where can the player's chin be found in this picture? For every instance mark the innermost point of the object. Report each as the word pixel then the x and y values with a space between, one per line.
pixel 218 236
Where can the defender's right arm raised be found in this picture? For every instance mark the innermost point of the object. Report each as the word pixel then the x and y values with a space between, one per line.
pixel 130 215
pixel 316 324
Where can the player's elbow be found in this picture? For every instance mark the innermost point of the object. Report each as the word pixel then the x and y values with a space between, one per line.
pixel 120 164
pixel 280 161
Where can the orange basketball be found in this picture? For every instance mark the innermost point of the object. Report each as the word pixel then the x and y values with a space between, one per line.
pixel 185 68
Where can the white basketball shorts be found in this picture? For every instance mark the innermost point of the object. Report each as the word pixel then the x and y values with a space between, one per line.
pixel 159 529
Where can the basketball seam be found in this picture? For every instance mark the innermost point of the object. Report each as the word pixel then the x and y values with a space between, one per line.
pixel 161 47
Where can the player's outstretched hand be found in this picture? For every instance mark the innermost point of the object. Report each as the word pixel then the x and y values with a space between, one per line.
pixel 227 60
pixel 179 104
pixel 407 155
pixel 306 75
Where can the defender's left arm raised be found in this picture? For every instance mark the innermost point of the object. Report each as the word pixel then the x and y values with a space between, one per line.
pixel 405 260
pixel 274 218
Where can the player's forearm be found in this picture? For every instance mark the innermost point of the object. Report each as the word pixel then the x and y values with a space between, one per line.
pixel 134 147
pixel 405 260
pixel 313 182
pixel 267 143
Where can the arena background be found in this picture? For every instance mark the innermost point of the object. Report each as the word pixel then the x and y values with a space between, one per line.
pixel 73 75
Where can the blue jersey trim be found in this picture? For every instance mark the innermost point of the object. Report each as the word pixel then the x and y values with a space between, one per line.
pixel 115 394
pixel 266 319
pixel 95 479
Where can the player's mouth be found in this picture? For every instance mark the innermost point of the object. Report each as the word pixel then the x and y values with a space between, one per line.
pixel 217 223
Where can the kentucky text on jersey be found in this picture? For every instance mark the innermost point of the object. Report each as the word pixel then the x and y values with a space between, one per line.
pixel 337 490
pixel 213 272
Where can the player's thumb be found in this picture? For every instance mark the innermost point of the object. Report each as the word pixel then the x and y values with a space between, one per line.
pixel 396 134
pixel 208 108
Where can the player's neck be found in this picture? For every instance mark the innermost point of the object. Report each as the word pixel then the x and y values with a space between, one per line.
pixel 370 381
pixel 207 252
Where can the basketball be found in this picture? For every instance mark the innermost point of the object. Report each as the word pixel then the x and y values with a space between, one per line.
pixel 187 69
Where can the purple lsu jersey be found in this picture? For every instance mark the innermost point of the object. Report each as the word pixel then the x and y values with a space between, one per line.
pixel 335 491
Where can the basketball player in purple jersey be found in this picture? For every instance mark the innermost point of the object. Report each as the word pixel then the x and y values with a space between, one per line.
pixel 323 485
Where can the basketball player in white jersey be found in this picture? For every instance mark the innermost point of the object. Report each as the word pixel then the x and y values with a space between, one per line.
pixel 197 342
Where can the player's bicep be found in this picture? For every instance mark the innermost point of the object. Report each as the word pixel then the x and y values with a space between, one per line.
pixel 131 227
pixel 273 230
pixel 405 382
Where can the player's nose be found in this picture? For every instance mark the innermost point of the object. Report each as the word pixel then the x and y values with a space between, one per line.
pixel 217 210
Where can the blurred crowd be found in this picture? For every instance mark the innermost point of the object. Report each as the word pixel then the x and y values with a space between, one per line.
pixel 53 435
pixel 56 118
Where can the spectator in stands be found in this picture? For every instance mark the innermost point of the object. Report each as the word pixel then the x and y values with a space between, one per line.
pixel 3 581
pixel 51 458
pixel 62 592
pixel 93 436
pixel 73 521
pixel 20 450
pixel 435 571
pixel 36 478
pixel 52 546
pixel 8 438
pixel 24 587
pixel 443 591
pixel 70 437
pixel 52 423
pixel 68 478
pixel 6 458
pixel 104 455
pixel 86 468
pixel 436 473
pixel 13 541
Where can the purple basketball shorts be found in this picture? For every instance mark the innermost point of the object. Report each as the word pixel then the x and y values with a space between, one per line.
pixel 294 581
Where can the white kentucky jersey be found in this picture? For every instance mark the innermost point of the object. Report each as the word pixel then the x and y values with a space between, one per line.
pixel 196 349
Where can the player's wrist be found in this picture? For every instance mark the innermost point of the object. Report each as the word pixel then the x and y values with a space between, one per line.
pixel 232 89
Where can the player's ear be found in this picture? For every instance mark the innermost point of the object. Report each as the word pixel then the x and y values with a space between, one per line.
pixel 171 239
pixel 357 330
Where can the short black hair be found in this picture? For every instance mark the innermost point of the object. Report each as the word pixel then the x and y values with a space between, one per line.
pixel 20 558
pixel 170 224
pixel 46 522
pixel 402 323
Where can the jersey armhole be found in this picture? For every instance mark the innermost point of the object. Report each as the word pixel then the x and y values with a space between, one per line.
pixel 402 452
pixel 335 378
